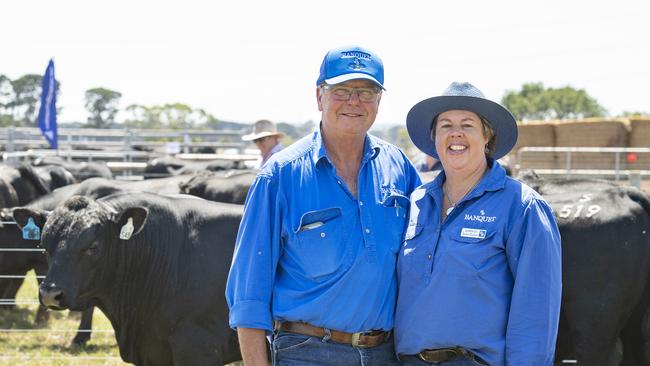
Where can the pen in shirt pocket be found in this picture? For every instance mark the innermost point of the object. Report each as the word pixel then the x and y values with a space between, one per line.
pixel 311 226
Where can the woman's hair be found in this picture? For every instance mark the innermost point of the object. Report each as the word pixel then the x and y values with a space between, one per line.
pixel 488 131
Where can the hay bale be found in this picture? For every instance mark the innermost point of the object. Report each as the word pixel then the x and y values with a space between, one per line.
pixel 591 133
pixel 639 132
pixel 537 133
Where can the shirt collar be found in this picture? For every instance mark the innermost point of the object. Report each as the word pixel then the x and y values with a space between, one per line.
pixel 371 148
pixel 493 180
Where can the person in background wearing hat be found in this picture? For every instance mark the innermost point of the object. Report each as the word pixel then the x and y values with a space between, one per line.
pixel 266 137
pixel 315 259
pixel 480 268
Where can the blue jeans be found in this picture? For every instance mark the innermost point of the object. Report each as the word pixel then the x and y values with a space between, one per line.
pixel 290 349
pixel 415 361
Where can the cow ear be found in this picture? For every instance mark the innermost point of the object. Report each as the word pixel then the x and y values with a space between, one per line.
pixel 30 222
pixel 131 221
pixel 22 215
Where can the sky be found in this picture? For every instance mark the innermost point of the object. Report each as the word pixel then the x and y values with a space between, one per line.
pixel 244 60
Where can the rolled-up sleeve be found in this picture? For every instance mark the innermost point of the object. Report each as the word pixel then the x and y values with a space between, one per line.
pixel 534 255
pixel 250 282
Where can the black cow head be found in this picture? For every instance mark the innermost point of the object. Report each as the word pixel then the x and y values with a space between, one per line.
pixel 82 238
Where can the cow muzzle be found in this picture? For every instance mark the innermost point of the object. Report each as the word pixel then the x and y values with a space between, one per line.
pixel 51 296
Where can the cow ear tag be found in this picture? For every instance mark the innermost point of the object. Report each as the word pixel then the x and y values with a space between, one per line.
pixel 127 230
pixel 31 231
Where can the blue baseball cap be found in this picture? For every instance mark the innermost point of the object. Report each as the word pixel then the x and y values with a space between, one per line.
pixel 349 63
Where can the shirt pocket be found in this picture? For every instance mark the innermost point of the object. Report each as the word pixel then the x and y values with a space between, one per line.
pixel 322 251
pixel 472 246
pixel 395 208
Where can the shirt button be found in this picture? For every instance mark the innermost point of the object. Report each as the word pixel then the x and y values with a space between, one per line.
pixel 339 182
pixel 429 257
pixel 322 235
pixel 360 203
pixel 367 231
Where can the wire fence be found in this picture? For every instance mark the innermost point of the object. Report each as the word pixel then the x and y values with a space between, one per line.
pixel 23 331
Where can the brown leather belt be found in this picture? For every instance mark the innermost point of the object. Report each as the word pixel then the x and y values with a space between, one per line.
pixel 360 340
pixel 436 356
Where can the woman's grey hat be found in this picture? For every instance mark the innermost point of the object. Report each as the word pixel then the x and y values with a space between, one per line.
pixel 465 96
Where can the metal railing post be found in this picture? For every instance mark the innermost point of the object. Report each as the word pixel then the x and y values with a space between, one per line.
pixel 617 166
pixel 10 140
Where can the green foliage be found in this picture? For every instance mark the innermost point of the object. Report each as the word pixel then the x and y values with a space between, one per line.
pixel 7 120
pixel 534 101
pixel 27 93
pixel 102 105
pixel 19 100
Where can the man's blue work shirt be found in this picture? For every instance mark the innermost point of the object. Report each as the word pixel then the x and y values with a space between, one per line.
pixel 487 279
pixel 308 250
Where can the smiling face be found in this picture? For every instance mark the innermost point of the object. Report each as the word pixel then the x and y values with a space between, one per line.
pixel 460 139
pixel 351 117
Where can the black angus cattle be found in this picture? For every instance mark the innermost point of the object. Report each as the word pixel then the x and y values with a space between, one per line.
pixel 80 170
pixel 168 166
pixel 29 182
pixel 605 232
pixel 231 187
pixel 156 266
pixel 19 263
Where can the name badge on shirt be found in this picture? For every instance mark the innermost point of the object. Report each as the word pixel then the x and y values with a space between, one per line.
pixel 473 233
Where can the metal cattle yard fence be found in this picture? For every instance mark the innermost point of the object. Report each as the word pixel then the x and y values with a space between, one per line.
pixel 126 152
pixel 621 164
pixel 160 141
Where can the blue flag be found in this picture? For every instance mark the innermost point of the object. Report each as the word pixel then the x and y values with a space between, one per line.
pixel 47 112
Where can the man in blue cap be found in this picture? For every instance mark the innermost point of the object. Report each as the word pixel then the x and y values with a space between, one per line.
pixel 314 265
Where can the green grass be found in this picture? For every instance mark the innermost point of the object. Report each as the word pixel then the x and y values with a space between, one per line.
pixel 47 345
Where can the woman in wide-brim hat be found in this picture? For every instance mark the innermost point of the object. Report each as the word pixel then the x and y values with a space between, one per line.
pixel 480 268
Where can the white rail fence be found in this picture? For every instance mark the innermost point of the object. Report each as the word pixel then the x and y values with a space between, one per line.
pixel 615 163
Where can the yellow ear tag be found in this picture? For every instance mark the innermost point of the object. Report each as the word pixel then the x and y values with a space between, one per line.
pixel 127 230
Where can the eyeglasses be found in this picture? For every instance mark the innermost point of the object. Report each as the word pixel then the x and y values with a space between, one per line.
pixel 342 93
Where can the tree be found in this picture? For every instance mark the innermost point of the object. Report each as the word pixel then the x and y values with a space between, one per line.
pixel 102 105
pixel 534 101
pixel 26 96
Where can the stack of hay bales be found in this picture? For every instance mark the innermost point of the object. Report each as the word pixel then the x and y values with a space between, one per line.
pixel 592 133
pixel 535 134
